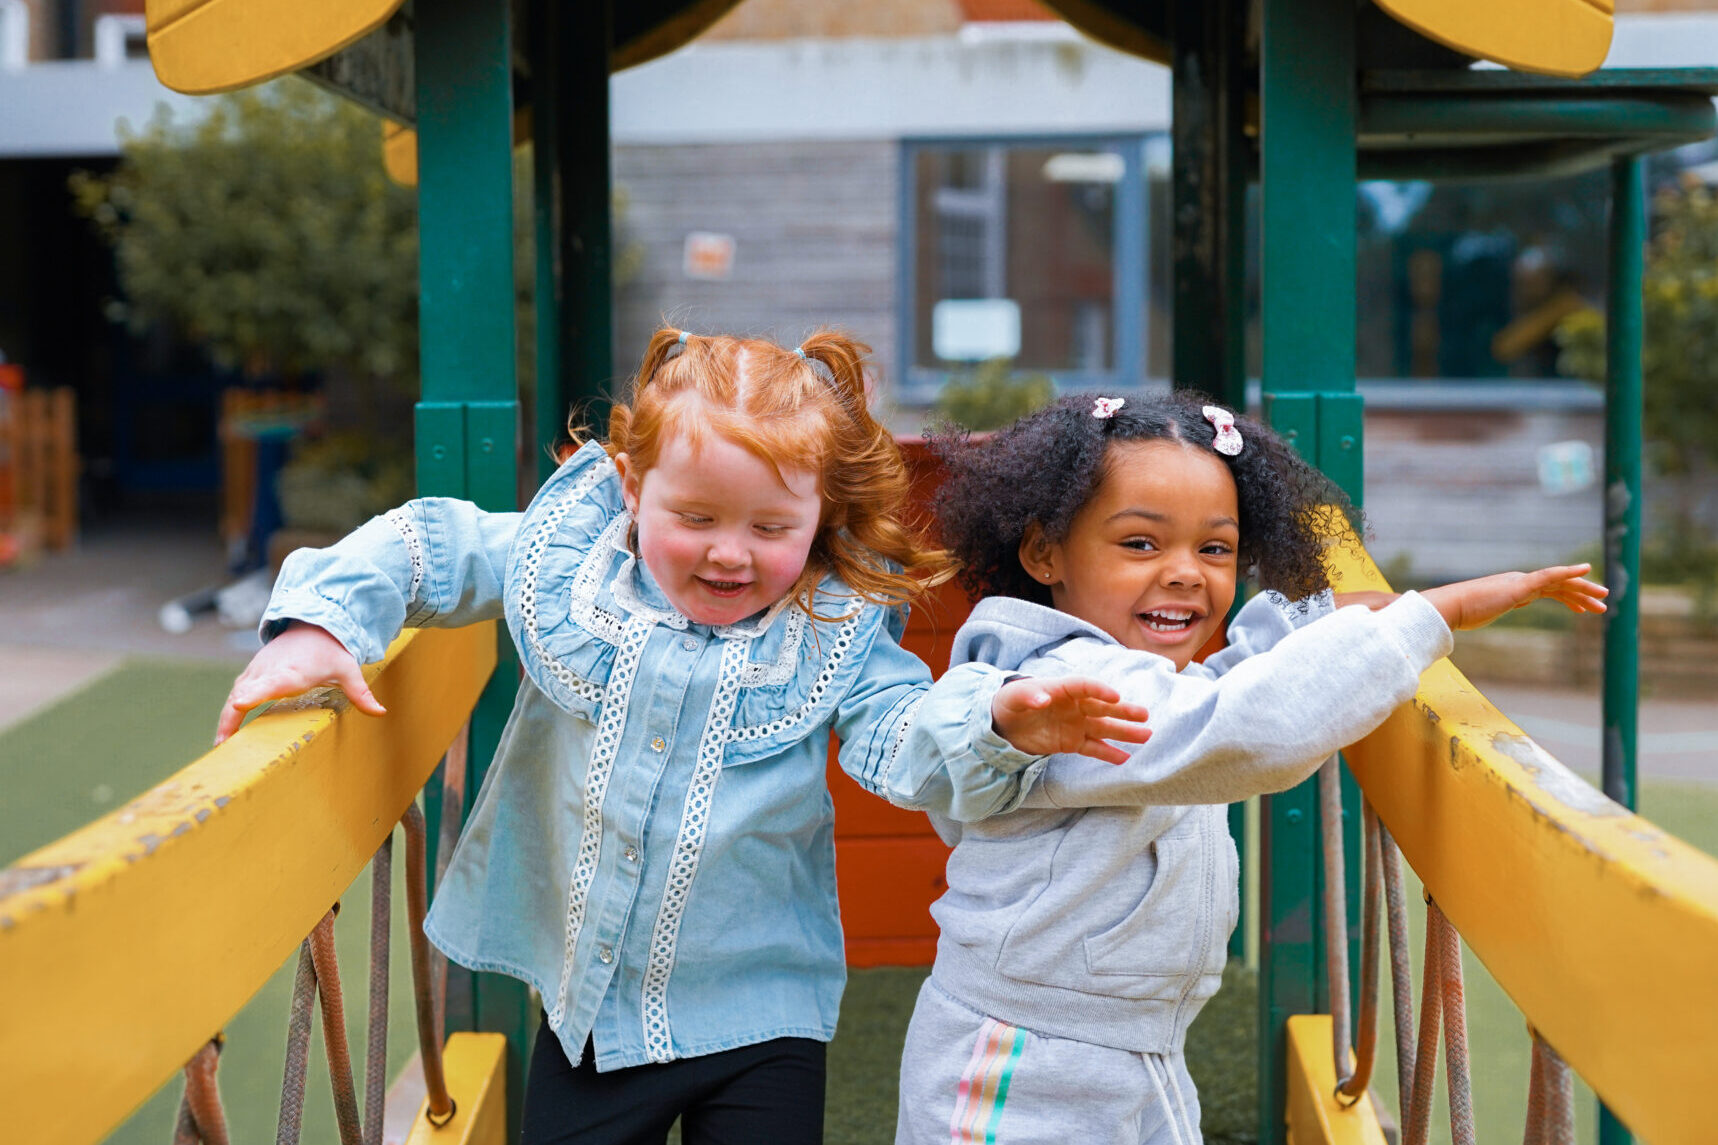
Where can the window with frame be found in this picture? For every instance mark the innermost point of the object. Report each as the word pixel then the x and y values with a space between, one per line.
pixel 1030 250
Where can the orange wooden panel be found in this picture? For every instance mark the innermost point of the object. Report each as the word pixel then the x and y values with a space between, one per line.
pixel 863 953
pixel 887 887
pixel 858 813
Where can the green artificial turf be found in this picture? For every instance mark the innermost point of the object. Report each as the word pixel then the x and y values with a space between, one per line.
pixel 115 738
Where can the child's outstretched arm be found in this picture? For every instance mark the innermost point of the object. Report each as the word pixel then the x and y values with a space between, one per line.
pixel 1067 714
pixel 300 658
pixel 1476 603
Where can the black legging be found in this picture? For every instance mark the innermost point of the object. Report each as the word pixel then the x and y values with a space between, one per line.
pixel 768 1093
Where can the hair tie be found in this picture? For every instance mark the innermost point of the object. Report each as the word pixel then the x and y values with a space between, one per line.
pixel 1228 441
pixel 800 350
pixel 1105 408
pixel 682 337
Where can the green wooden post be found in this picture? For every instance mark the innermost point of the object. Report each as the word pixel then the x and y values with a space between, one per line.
pixel 1308 110
pixel 586 202
pixel 1208 195
pixel 550 412
pixel 1623 398
pixel 467 419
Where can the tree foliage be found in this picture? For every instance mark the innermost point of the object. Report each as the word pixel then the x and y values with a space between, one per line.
pixel 1679 360
pixel 990 395
pixel 1679 354
pixel 268 231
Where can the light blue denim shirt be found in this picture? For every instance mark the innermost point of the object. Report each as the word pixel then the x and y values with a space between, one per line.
pixel 652 849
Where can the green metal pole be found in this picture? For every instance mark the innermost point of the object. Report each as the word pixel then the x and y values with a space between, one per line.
pixel 1308 110
pixel 586 191
pixel 550 410
pixel 468 417
pixel 1208 195
pixel 1623 401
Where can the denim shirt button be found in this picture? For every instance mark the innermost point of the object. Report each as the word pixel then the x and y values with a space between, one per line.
pixel 605 953
pixel 630 854
pixel 658 744
pixel 690 644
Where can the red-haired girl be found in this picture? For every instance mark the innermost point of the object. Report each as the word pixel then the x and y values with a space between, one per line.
pixel 698 605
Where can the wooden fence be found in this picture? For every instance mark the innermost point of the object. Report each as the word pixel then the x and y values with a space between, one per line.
pixel 38 471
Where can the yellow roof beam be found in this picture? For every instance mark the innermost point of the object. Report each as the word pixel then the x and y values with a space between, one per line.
pixel 1600 926
pixel 151 927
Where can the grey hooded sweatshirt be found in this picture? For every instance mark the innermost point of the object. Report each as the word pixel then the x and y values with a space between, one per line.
pixel 1100 908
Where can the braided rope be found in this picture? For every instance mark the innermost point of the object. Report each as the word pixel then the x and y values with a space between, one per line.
pixel 1401 970
pixel 1419 1121
pixel 1550 1098
pixel 201 1119
pixel 1457 1078
pixel 1335 913
pixel 334 1030
pixel 1352 1088
pixel 429 1014
pixel 376 1038
pixel 298 1025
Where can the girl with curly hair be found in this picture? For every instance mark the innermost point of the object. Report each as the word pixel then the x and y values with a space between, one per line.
pixel 1082 932
pixel 699 604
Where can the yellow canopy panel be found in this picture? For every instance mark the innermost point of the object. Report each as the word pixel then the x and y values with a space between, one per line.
pixel 1553 37
pixel 205 46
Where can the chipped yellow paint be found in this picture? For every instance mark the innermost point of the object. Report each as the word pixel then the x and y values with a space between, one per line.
pixel 1600 926
pixel 125 945
pixel 475 1065
pixel 1553 37
pixel 1314 1117
pixel 205 46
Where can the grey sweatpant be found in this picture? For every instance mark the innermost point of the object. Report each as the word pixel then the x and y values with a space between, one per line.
pixel 969 1078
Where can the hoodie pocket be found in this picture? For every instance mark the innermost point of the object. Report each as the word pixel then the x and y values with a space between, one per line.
pixel 1162 936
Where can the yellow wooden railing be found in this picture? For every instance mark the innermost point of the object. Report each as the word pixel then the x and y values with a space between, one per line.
pixel 152 926
pixel 158 922
pixel 1601 927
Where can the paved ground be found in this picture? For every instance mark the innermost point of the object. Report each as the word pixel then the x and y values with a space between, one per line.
pixel 69 617
pixel 72 616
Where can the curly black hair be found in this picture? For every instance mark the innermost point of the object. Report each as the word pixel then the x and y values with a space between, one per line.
pixel 1047 465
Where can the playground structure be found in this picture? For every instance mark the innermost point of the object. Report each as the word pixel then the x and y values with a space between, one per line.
pixel 1599 926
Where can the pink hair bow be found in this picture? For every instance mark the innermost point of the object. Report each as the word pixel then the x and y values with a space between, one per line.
pixel 1106 407
pixel 1228 441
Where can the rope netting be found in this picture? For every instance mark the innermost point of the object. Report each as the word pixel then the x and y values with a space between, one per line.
pixel 1443 1010
pixel 317 985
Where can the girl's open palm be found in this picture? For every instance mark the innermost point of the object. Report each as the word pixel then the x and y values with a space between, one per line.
pixel 1067 714
pixel 1475 603
pixel 299 659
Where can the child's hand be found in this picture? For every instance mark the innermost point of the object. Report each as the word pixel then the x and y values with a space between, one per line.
pixel 1475 603
pixel 299 659
pixel 1044 717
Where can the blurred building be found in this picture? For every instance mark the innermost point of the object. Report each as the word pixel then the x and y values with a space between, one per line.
pixel 951 180
pixel 71 71
pixel 957 179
